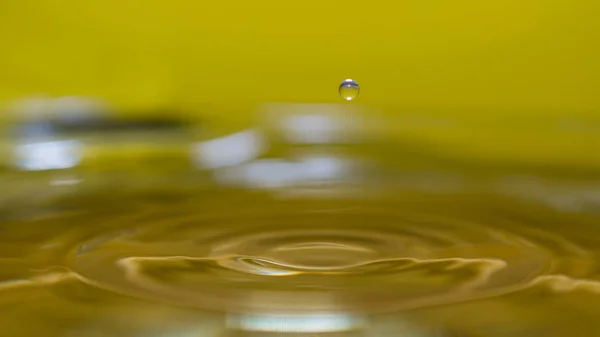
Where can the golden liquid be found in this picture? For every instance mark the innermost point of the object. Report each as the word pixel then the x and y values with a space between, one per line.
pixel 477 219
pixel 389 251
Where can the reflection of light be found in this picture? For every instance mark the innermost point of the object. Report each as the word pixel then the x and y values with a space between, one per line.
pixel 323 167
pixel 296 323
pixel 48 155
pixel 276 173
pixel 268 173
pixel 311 129
pixel 315 123
pixel 229 150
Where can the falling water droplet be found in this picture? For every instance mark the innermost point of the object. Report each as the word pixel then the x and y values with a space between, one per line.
pixel 349 89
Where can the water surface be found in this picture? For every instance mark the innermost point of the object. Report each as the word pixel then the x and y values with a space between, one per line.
pixel 370 247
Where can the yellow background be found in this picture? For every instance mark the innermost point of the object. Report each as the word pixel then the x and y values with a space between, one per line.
pixel 507 69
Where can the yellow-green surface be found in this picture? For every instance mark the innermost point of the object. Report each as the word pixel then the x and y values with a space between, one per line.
pixel 508 71
pixel 534 54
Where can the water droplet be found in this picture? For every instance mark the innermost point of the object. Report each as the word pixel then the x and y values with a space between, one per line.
pixel 349 89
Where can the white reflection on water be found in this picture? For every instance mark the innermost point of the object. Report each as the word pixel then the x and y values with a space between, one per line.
pixel 311 129
pixel 315 123
pixel 308 323
pixel 53 155
pixel 280 173
pixel 229 150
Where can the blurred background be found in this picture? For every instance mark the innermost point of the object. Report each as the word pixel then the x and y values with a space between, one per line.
pixel 510 81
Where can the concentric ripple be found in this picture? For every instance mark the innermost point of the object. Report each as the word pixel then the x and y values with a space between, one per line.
pixel 357 258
